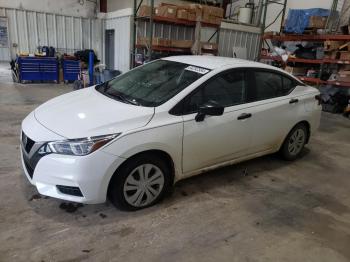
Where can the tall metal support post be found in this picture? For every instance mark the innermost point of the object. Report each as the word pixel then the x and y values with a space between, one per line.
pixel 137 6
pixel 150 36
pixel 133 54
pixel 283 12
pixel 263 21
pixel 262 28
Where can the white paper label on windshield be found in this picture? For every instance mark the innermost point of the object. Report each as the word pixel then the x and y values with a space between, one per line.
pixel 196 69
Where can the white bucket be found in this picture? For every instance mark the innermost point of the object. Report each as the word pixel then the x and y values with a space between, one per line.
pixel 245 15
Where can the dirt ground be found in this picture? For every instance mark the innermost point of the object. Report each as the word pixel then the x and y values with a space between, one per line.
pixel 261 210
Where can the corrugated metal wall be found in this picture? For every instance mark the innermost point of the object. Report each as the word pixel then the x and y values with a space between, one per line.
pixel 235 36
pixel 122 42
pixel 167 31
pixel 30 29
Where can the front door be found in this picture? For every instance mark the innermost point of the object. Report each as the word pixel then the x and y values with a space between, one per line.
pixel 217 138
pixel 274 111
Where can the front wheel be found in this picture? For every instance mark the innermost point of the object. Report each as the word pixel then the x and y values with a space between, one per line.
pixel 141 182
pixel 294 142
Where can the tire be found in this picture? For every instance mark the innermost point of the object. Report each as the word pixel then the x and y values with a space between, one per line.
pixel 294 143
pixel 128 192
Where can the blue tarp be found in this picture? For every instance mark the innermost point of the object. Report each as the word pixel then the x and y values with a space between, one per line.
pixel 298 19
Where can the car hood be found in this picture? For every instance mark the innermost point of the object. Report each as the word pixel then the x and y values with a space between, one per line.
pixel 87 112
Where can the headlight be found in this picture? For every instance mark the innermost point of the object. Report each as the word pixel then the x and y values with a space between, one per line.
pixel 77 147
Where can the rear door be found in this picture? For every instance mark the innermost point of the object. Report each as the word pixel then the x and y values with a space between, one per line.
pixel 274 109
pixel 217 138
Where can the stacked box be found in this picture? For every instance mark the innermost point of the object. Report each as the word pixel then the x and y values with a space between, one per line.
pixel 212 15
pixel 343 76
pixel 182 43
pixel 194 12
pixel 317 22
pixel 209 46
pixel 297 71
pixel 344 55
pixel 157 41
pixel 331 55
pixel 145 10
pixel 332 45
pixel 166 11
pixel 182 13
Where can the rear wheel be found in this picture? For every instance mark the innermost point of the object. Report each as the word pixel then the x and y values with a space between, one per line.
pixel 294 142
pixel 141 182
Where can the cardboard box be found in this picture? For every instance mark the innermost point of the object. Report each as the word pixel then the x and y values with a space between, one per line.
pixel 209 46
pixel 345 47
pixel 142 41
pixel 166 11
pixel 212 20
pixel 297 71
pixel 206 14
pixel 344 55
pixel 218 20
pixel 212 11
pixel 145 10
pixel 182 43
pixel 218 12
pixel 317 21
pixel 158 41
pixel 182 14
pixel 346 67
pixel 192 16
pixel 343 76
pixel 332 45
pixel 195 10
pixel 331 55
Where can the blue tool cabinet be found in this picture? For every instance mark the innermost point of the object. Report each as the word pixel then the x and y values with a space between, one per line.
pixel 71 69
pixel 38 68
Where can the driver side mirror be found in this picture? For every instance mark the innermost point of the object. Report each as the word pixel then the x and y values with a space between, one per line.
pixel 210 108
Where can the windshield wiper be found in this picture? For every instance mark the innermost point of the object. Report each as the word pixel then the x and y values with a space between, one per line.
pixel 123 98
pixel 104 87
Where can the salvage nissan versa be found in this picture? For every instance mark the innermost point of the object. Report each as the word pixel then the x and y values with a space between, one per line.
pixel 132 137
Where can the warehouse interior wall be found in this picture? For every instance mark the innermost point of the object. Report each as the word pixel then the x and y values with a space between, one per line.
pixel 121 22
pixel 83 8
pixel 29 29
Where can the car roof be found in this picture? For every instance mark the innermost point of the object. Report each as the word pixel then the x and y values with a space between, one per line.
pixel 215 62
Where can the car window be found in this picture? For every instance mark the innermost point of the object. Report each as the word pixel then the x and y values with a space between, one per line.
pixel 270 85
pixel 226 89
pixel 288 85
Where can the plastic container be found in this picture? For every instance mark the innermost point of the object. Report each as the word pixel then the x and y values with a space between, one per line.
pixel 245 15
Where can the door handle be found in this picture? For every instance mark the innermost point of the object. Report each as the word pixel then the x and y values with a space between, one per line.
pixel 244 116
pixel 293 101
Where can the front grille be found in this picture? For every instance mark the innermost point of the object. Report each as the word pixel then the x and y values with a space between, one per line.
pixel 70 190
pixel 30 159
pixel 29 169
pixel 27 142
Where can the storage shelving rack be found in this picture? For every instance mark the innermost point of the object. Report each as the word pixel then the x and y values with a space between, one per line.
pixel 320 62
pixel 189 28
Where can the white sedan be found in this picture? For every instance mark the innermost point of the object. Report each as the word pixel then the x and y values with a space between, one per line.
pixel 133 137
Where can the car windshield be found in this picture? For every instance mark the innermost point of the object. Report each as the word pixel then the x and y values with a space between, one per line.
pixel 152 84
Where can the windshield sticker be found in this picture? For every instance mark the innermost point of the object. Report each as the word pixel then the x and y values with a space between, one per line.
pixel 198 70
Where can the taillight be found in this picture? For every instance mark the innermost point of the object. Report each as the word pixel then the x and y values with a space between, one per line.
pixel 318 98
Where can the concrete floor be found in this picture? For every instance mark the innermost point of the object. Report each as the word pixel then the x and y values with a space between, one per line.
pixel 261 210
